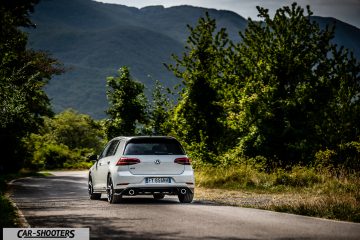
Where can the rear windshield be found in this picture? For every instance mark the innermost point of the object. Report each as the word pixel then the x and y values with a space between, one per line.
pixel 153 146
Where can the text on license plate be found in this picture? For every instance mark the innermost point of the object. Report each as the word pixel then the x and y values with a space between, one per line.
pixel 157 180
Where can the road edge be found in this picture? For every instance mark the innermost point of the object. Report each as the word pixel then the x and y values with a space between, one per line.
pixel 23 223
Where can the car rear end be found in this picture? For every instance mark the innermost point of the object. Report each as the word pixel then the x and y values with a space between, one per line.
pixel 153 165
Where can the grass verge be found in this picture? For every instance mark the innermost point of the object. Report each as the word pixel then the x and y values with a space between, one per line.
pixel 301 191
pixel 8 213
pixel 8 216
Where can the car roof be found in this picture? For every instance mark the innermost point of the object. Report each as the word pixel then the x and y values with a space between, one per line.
pixel 127 138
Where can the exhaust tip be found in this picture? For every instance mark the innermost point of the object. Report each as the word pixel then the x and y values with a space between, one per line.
pixel 183 191
pixel 131 192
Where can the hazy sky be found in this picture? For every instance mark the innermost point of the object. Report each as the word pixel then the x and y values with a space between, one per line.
pixel 344 10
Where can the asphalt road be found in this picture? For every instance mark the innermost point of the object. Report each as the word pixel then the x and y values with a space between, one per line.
pixel 62 201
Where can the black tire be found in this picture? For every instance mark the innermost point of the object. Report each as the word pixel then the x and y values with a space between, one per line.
pixel 158 196
pixel 112 198
pixel 92 195
pixel 186 198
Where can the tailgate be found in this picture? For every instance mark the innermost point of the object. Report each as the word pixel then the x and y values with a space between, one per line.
pixel 157 165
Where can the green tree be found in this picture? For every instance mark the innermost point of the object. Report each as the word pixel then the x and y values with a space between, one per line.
pixel 23 74
pixel 127 110
pixel 296 92
pixel 65 141
pixel 197 115
pixel 74 130
pixel 159 111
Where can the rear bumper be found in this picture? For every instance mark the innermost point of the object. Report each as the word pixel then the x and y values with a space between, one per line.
pixel 124 181
pixel 132 191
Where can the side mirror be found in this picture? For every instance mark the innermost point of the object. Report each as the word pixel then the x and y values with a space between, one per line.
pixel 93 158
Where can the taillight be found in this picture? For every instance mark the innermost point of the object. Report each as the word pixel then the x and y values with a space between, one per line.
pixel 183 161
pixel 127 161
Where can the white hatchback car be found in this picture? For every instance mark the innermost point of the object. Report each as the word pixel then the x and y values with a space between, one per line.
pixel 144 165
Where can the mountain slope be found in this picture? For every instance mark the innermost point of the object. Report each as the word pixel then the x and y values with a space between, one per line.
pixel 345 34
pixel 94 39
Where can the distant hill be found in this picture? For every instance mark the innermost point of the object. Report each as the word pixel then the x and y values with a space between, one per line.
pixel 95 39
pixel 345 34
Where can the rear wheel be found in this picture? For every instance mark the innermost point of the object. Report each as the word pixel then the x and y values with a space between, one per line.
pixel 186 198
pixel 158 196
pixel 92 195
pixel 112 198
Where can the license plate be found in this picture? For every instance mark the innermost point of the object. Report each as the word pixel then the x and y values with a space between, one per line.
pixel 157 180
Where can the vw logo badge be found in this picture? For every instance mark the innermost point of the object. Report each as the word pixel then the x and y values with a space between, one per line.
pixel 157 161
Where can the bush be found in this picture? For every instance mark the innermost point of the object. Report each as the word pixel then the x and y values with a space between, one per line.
pixel 349 156
pixel 345 157
pixel 64 142
pixel 57 156
pixel 51 156
pixel 200 155
pixel 298 177
pixel 325 159
pixel 239 176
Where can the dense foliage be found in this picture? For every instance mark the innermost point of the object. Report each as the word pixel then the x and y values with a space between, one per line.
pixel 23 74
pixel 284 95
pixel 64 141
pixel 196 116
pixel 297 92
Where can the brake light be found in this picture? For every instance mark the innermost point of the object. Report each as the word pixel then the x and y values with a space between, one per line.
pixel 183 161
pixel 127 161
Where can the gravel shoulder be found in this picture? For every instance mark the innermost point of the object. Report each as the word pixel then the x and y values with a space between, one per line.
pixel 245 199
